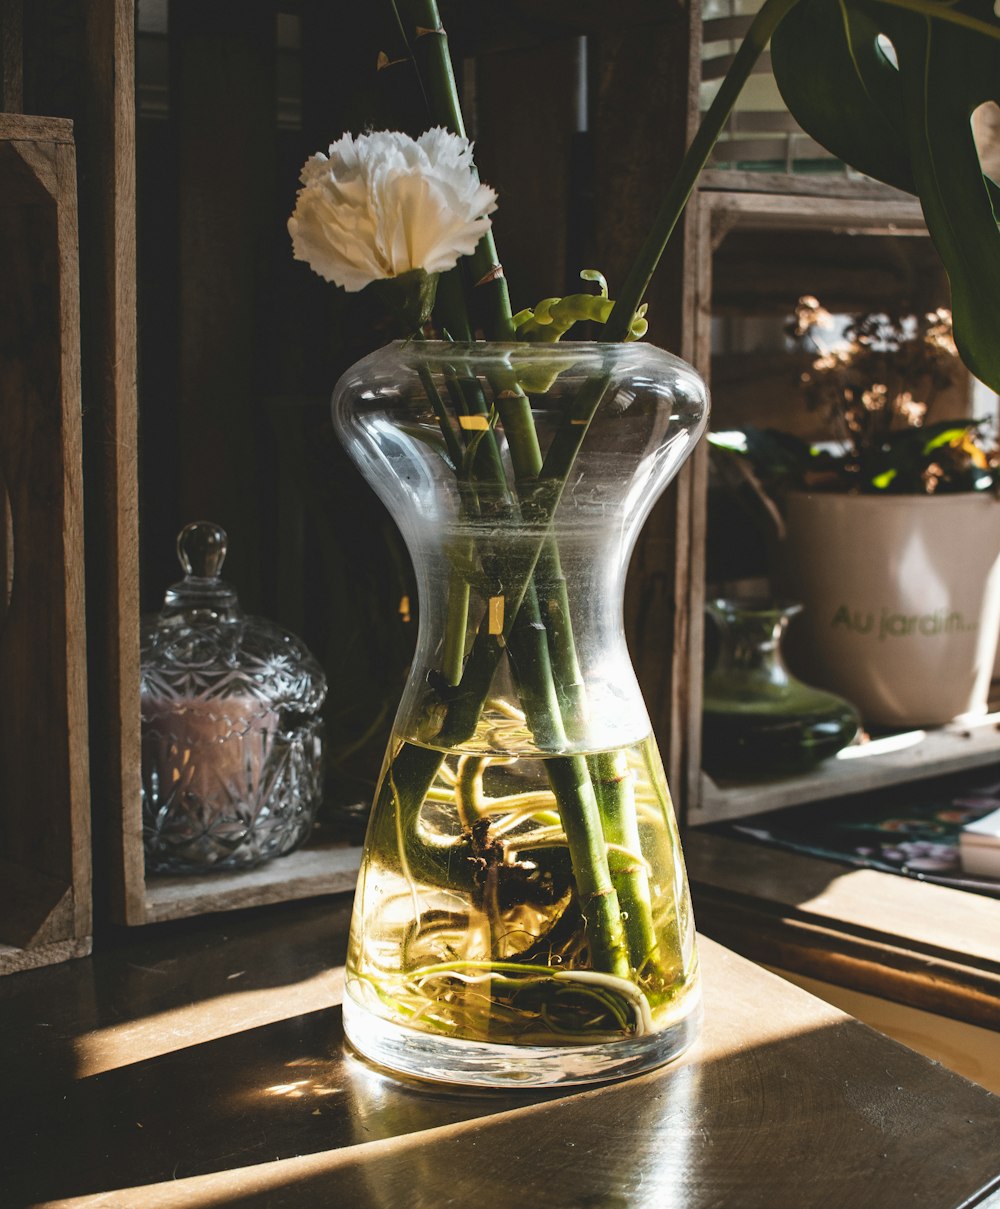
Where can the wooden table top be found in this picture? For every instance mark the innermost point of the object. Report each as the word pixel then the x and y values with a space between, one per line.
pixel 202 1064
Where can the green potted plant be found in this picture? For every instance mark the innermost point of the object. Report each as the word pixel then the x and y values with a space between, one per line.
pixel 890 526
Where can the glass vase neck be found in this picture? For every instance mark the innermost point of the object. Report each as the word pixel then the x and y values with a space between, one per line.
pixel 751 631
pixel 520 476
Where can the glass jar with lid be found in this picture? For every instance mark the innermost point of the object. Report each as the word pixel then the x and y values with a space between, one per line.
pixel 231 732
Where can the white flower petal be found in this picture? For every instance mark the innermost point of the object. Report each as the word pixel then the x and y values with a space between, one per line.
pixel 382 204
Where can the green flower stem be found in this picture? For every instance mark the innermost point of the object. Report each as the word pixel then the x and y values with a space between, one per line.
pixel 514 409
pixel 588 833
pixel 613 797
pixel 599 904
pixel 453 653
pixel 527 635
pixel 444 423
pixel 444 861
pixel 531 664
pixel 568 775
pixel 427 41
pixel 578 804
pixel 414 769
pixel 616 799
pixel 484 453
pixel 631 294
pixel 614 791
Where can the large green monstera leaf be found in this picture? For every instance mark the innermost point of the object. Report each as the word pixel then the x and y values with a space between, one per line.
pixel 908 122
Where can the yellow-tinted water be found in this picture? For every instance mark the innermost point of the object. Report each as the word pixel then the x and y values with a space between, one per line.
pixel 491 909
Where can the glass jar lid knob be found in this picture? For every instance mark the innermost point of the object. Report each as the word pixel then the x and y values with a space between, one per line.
pixel 201 548
pixel 201 595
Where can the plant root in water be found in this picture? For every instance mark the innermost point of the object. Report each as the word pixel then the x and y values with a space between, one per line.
pixel 501 950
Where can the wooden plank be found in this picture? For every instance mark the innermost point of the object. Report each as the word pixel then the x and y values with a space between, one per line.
pixel 894 973
pixel 11 55
pixel 931 946
pixel 901 910
pixel 74 570
pixel 36 908
pixel 634 150
pixel 716 67
pixel 826 184
pixel 699 292
pixel 323 869
pixel 80 64
pixel 27 128
pixel 764 121
pixel 44 774
pixel 110 393
pixel 16 961
pixel 789 212
pixel 967 1049
pixel 784 148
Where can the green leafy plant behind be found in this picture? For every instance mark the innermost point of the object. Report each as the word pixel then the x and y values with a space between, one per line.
pixel 890 87
pixel 945 457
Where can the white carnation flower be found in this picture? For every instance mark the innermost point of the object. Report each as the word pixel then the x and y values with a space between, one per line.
pixel 383 204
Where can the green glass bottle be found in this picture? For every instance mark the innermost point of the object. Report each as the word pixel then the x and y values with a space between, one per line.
pixel 758 719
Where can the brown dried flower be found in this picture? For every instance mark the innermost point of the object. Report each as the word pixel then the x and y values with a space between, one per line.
pixel 885 377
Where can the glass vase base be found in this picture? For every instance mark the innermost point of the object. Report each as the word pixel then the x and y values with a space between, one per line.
pixel 467 1063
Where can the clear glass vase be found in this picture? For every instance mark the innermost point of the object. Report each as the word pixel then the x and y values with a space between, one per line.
pixel 758 719
pixel 522 913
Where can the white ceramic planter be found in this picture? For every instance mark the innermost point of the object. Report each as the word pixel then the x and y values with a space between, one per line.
pixel 902 600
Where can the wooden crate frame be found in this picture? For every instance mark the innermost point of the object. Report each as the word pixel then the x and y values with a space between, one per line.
pixel 727 202
pixel 665 610
pixel 45 873
pixel 93 81
pixel 321 869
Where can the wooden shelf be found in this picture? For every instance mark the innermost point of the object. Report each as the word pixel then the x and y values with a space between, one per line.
pixel 892 760
pixel 321 869
pixel 91 76
pixel 829 185
pixel 45 871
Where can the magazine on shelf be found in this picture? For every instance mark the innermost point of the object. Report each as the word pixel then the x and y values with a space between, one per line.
pixel 946 832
